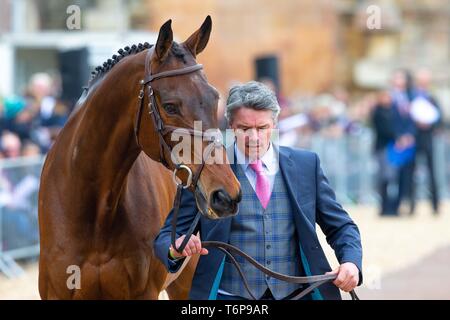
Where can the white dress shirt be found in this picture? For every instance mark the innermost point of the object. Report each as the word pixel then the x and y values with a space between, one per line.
pixel 269 161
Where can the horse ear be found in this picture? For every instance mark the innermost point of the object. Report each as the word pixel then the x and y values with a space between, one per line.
pixel 164 41
pixel 199 39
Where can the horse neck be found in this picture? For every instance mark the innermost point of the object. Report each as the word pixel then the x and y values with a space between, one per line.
pixel 104 147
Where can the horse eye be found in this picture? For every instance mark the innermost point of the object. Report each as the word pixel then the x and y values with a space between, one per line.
pixel 170 108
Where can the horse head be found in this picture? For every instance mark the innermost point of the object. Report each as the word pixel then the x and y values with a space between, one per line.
pixel 180 97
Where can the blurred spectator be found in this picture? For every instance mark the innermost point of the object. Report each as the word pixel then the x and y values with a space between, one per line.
pixel 41 86
pixel 329 116
pixel 320 115
pixel 22 123
pixel 30 150
pixel 52 113
pixel 427 115
pixel 12 106
pixel 38 116
pixel 17 195
pixel 10 145
pixel 382 120
pixel 402 94
pixel 18 191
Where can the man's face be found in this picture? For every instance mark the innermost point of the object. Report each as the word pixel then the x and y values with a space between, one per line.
pixel 423 79
pixel 253 129
pixel 399 80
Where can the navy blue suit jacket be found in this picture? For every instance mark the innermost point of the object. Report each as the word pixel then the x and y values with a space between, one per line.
pixel 403 124
pixel 313 202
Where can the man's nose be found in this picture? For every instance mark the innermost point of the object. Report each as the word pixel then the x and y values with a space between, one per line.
pixel 253 134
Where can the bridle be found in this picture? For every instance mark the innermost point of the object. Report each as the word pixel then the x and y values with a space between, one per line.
pixel 192 181
pixel 161 128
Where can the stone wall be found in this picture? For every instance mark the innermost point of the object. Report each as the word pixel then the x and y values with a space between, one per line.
pixel 300 33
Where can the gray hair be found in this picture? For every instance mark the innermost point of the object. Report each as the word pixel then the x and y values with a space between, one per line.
pixel 253 95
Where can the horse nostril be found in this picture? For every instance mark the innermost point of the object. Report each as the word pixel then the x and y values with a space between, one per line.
pixel 221 197
pixel 221 200
pixel 223 204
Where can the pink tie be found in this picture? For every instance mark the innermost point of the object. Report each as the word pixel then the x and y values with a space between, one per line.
pixel 262 183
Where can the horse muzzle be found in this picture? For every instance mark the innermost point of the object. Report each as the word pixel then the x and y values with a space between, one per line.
pixel 220 204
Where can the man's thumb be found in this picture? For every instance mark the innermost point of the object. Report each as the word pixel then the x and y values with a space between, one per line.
pixel 335 271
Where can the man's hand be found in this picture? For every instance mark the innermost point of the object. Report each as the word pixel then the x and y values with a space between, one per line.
pixel 347 276
pixel 193 246
pixel 423 126
pixel 405 141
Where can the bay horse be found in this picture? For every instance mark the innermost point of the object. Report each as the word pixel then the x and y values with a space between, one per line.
pixel 104 193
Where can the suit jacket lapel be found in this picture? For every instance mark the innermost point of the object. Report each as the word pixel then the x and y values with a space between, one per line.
pixel 296 184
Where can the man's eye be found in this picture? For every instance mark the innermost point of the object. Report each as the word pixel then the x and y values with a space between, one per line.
pixel 170 108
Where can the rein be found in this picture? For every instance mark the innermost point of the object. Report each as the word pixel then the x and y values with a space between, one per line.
pixel 162 130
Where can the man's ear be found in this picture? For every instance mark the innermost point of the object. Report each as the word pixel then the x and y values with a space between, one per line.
pixel 199 39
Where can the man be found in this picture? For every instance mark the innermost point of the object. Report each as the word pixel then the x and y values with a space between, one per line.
pixel 402 94
pixel 425 132
pixel 285 193
pixel 383 125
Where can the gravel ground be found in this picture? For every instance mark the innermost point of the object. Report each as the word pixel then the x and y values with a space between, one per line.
pixel 404 257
